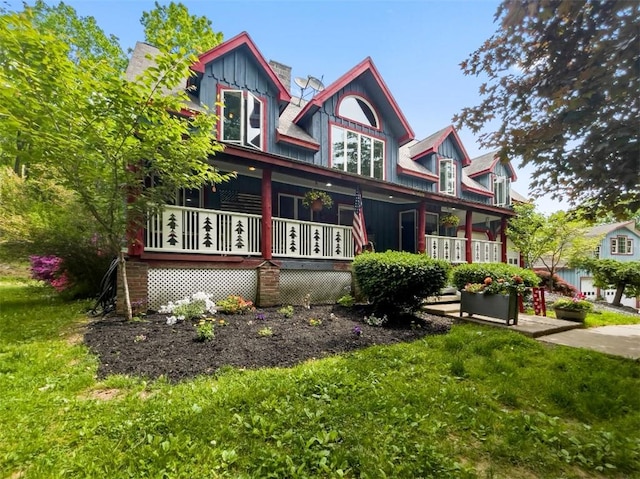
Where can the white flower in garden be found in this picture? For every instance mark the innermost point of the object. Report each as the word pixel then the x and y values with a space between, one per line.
pixel 171 320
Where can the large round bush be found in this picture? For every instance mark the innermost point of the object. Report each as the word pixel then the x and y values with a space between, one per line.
pixel 396 281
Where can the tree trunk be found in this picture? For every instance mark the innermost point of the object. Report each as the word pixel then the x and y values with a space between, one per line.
pixel 617 299
pixel 125 284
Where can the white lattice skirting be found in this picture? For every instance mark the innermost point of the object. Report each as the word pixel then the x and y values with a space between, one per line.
pixel 168 284
pixel 323 286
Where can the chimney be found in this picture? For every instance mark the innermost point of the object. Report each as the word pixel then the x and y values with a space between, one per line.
pixel 283 72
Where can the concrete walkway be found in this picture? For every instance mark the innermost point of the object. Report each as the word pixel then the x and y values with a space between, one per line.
pixel 621 341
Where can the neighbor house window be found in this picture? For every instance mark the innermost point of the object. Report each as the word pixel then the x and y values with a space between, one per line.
pixel 242 118
pixel 359 110
pixel 501 185
pixel 355 152
pixel 447 176
pixel 621 245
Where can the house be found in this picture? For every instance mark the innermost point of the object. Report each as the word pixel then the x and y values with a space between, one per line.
pixel 621 242
pixel 254 237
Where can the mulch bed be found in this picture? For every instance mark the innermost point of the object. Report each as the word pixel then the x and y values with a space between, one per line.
pixel 151 348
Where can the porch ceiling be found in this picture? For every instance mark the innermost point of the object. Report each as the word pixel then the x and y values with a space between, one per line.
pixel 309 175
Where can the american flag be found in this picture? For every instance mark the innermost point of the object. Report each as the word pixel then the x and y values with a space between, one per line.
pixel 359 229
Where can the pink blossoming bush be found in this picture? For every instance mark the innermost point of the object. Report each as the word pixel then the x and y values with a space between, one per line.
pixel 49 269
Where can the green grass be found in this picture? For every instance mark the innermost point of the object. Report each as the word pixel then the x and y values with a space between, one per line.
pixel 478 402
pixel 604 318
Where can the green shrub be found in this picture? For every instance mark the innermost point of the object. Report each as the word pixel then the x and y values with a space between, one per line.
pixel 397 281
pixel 205 330
pixel 286 311
pixel 477 272
pixel 347 301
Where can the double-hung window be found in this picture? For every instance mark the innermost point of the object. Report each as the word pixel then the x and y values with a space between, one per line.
pixel 501 185
pixel 242 118
pixel 447 176
pixel 621 245
pixel 356 152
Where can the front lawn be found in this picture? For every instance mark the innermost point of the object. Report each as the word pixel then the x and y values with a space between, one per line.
pixel 476 402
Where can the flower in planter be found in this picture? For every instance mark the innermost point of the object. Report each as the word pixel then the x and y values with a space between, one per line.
pixel 577 303
pixel 317 198
pixel 505 286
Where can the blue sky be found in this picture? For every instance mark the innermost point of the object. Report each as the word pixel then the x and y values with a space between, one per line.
pixel 416 45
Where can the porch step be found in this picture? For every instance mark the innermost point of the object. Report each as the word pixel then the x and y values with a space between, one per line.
pixel 443 299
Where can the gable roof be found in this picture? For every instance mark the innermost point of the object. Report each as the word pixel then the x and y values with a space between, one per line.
pixel 240 40
pixel 473 186
pixel 142 58
pixel 431 144
pixel 486 163
pixel 289 132
pixel 364 68
pixel 409 167
pixel 601 230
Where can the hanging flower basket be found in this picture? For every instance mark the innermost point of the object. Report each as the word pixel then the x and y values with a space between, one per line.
pixel 449 220
pixel 317 200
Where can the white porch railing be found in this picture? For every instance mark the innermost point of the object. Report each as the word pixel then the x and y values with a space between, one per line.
pixel 453 249
pixel 194 230
pixel 303 239
pixel 447 248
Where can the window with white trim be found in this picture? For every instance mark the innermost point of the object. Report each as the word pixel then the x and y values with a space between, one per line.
pixel 242 118
pixel 355 152
pixel 501 186
pixel 622 245
pixel 447 176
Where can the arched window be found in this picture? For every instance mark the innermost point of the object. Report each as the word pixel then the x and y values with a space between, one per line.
pixel 359 110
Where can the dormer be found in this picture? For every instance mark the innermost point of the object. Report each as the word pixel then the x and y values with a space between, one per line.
pixel 235 80
pixel 438 160
pixel 493 176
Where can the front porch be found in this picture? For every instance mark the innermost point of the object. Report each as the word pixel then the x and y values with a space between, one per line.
pixel 213 232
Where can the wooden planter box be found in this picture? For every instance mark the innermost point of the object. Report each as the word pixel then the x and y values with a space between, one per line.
pixel 499 306
pixel 570 314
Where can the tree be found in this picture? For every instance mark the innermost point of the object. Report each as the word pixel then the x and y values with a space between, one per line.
pixel 172 27
pixel 623 276
pixel 551 240
pixel 82 124
pixel 563 83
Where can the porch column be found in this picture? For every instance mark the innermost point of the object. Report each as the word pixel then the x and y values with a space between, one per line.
pixel 468 234
pixel 422 226
pixel 503 238
pixel 266 236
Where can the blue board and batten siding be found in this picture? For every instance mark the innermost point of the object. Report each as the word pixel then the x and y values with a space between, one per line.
pixel 239 70
pixel 573 276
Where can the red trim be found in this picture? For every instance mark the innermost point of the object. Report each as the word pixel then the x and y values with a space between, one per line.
pixel 281 138
pixel 475 190
pixel 369 102
pixel 344 80
pixel 417 174
pixel 503 238
pixel 197 258
pixel 370 135
pixel 450 130
pixel 422 226
pixel 234 43
pixel 267 199
pixel 468 234
pixel 495 161
pixel 276 161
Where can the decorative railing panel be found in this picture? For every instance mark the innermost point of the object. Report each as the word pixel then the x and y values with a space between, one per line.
pixel 191 230
pixel 447 248
pixel 453 249
pixel 303 239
